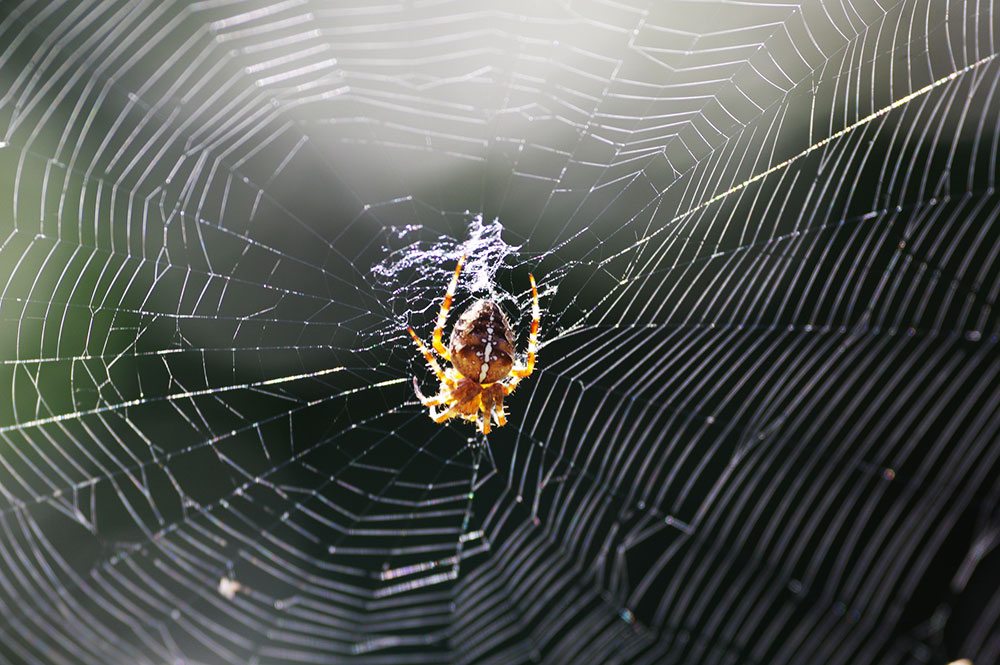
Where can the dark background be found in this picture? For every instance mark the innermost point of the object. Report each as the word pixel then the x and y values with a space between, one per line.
pixel 764 428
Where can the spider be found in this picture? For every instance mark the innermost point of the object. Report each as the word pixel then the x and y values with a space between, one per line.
pixel 481 352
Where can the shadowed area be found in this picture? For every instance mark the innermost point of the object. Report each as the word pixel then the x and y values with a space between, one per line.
pixel 764 422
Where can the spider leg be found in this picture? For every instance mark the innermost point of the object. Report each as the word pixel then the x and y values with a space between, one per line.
pixel 498 409
pixel 447 414
pixel 458 409
pixel 536 315
pixel 486 407
pixel 492 408
pixel 427 401
pixel 484 423
pixel 443 313
pixel 420 394
pixel 429 357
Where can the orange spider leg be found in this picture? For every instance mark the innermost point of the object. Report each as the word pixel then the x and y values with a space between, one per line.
pixel 492 407
pixel 429 357
pixel 499 411
pixel 437 400
pixel 496 411
pixel 519 373
pixel 467 410
pixel 443 312
pixel 445 415
pixel 486 406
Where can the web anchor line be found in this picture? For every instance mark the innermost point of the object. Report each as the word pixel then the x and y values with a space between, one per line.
pixel 815 146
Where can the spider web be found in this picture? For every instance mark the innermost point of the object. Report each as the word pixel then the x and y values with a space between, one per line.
pixel 765 424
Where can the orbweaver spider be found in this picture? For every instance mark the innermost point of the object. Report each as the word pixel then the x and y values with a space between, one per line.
pixel 481 352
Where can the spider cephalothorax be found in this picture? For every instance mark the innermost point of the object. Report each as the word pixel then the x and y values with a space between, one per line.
pixel 481 351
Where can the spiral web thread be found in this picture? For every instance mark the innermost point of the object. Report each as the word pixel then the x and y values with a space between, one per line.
pixel 765 423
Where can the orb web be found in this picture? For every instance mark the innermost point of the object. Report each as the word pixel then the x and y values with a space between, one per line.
pixel 419 270
pixel 764 423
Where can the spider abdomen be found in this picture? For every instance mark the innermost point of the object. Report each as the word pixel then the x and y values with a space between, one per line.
pixel 482 343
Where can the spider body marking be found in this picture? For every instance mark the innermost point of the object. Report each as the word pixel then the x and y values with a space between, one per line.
pixel 481 352
pixel 482 343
